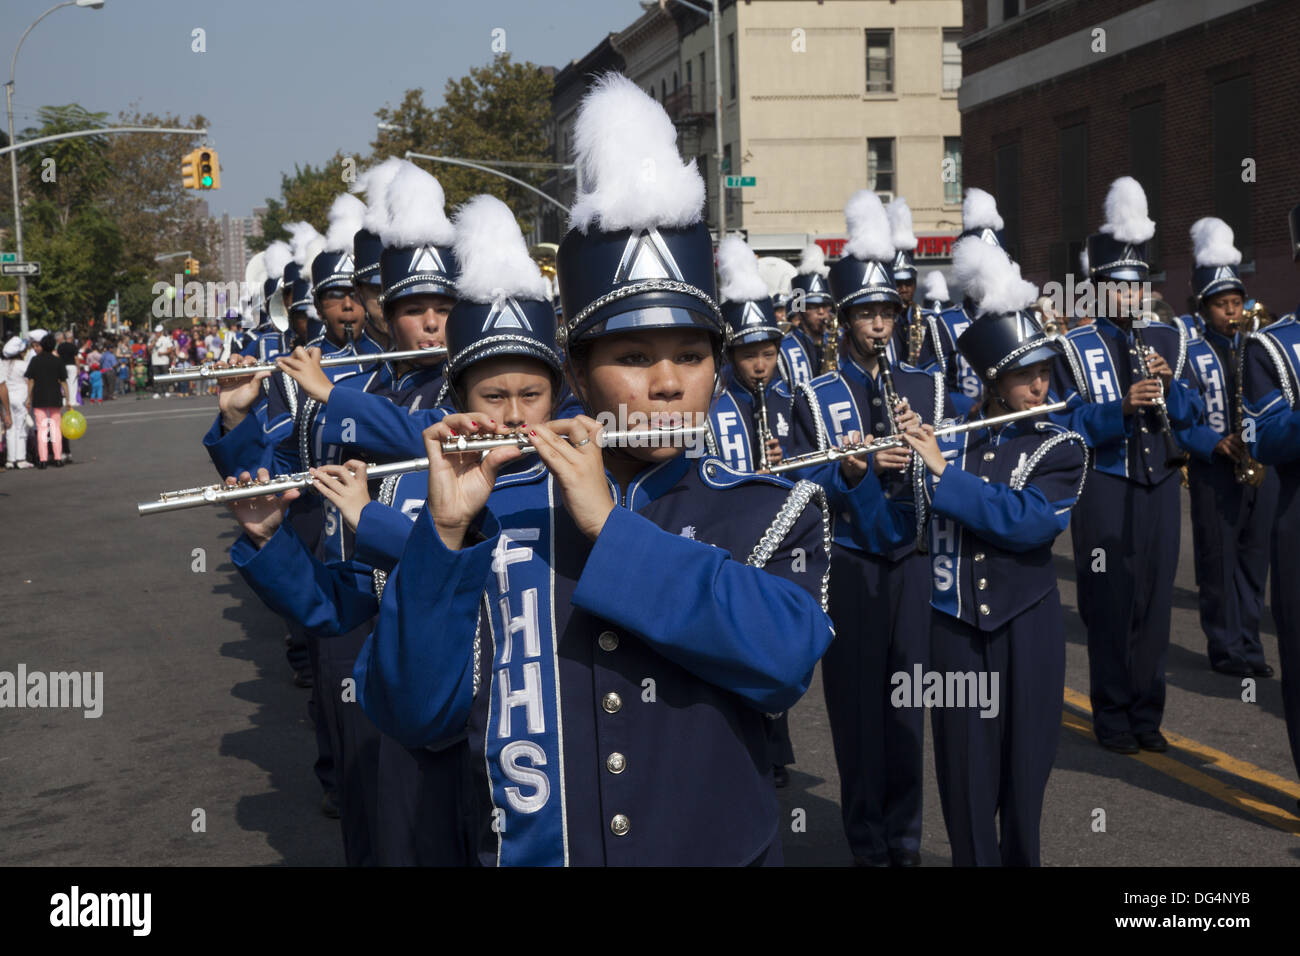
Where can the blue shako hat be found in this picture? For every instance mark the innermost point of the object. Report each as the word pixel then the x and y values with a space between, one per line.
pixel 980 218
pixel 1119 250
pixel 418 258
pixel 333 266
pixel 865 272
pixel 637 254
pixel 904 239
pixel 746 306
pixel 503 307
pixel 1004 335
pixel 1216 259
pixel 367 248
pixel 302 296
pixel 811 279
pixel 331 270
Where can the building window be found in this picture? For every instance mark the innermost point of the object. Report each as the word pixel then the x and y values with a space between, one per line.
pixel 880 165
pixel 726 159
pixel 951 60
pixel 704 85
pixel 731 62
pixel 1072 167
pixel 674 81
pixel 1006 165
pixel 880 61
pixel 1145 134
pixel 663 90
pixel 952 169
pixel 688 74
pixel 1230 137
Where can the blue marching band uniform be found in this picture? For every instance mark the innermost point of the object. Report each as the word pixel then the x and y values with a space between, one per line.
pixel 539 696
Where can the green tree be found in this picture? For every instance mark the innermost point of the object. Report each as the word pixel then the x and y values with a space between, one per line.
pixel 70 173
pixel 307 195
pixel 498 112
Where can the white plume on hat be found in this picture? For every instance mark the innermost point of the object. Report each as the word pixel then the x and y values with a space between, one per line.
pixel 900 222
pixel 305 242
pixel 415 210
pixel 936 286
pixel 278 255
pixel 813 259
pixel 346 214
pixel 631 175
pixel 739 278
pixel 777 273
pixel 1126 212
pixel 979 210
pixel 1212 243
pixel 374 182
pixel 493 257
pixel 868 224
pixel 992 279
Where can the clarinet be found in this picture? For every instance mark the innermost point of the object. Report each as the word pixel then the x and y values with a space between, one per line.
pixel 1175 457
pixel 764 433
pixel 881 348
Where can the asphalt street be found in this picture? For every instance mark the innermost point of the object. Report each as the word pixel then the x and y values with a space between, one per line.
pixel 200 714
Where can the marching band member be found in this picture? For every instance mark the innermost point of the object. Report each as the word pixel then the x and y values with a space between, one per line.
pixel 1271 376
pixel 999 496
pixel 877 598
pixel 611 631
pixel 368 246
pixel 417 271
pixel 980 220
pixel 1126 525
pixel 503 363
pixel 916 331
pixel 1231 517
pixel 808 310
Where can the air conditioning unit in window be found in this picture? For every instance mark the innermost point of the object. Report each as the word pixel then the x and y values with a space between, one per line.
pixel 885 196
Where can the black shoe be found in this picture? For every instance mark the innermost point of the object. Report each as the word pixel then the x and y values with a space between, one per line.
pixel 1234 669
pixel 1154 741
pixel 58 463
pixel 302 679
pixel 780 776
pixel 904 858
pixel 1263 670
pixel 40 465
pixel 329 806
pixel 1124 743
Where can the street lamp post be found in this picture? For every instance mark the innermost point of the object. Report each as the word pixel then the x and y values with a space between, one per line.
pixel 13 156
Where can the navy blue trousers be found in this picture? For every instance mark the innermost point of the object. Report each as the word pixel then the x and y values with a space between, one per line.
pixel 779 746
pixel 354 743
pixel 1286 600
pixel 1131 531
pixel 426 805
pixel 1231 527
pixel 999 764
pixel 881 612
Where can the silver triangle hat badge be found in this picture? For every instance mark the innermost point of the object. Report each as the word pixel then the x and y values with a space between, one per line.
pixel 426 259
pixel 506 314
pixel 752 315
pixel 646 256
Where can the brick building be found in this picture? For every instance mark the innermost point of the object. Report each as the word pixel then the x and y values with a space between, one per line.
pixel 1194 98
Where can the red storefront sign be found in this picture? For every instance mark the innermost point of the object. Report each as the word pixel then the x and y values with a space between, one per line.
pixel 927 247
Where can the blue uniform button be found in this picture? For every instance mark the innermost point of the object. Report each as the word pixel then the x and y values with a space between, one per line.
pixel 989 456
pixel 612 703
pixel 982 583
pixel 620 825
pixel 616 763
pixel 608 640
pixel 979 555
pixel 984 609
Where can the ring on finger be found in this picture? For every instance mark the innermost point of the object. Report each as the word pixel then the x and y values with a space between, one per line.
pixel 585 441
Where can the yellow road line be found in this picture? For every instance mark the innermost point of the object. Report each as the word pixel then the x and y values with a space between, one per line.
pixel 1273 815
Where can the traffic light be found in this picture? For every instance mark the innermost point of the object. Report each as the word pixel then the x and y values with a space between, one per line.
pixel 191 267
pixel 9 303
pixel 209 170
pixel 190 170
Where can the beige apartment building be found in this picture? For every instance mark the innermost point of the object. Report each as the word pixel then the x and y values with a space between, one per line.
pixel 820 99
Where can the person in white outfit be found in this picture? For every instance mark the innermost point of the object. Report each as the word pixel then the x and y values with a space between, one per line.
pixel 12 369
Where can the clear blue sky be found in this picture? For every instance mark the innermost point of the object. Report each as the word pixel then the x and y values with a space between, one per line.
pixel 282 81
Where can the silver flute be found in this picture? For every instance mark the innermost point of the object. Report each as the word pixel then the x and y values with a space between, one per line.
pixel 897 441
pixel 211 370
pixel 219 493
